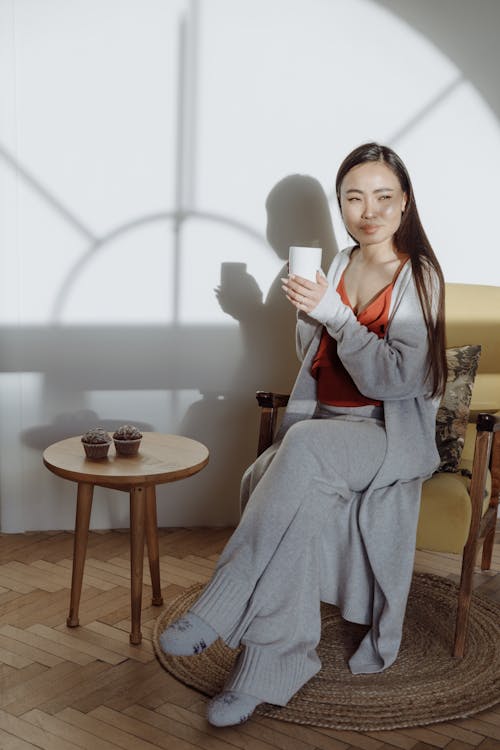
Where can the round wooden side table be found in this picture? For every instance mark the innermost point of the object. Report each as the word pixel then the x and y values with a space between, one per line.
pixel 161 459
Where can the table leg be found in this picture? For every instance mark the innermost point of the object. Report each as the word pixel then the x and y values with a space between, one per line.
pixel 137 531
pixel 83 509
pixel 152 542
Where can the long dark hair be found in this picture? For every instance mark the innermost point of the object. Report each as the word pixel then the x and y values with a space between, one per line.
pixel 410 238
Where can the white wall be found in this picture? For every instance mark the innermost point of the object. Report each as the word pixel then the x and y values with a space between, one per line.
pixel 144 144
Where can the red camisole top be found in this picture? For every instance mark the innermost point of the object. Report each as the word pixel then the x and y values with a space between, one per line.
pixel 334 384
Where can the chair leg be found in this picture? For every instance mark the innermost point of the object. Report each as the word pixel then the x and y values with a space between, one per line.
pixel 464 597
pixel 489 541
pixel 152 544
pixel 83 510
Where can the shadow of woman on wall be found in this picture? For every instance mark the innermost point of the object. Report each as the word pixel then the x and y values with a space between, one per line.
pixel 297 214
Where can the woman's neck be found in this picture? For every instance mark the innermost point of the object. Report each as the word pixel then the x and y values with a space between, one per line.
pixel 374 255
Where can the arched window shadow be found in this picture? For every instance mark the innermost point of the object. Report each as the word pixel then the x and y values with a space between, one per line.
pixel 261 370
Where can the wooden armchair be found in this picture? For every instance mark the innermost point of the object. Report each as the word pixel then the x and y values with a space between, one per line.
pixel 456 515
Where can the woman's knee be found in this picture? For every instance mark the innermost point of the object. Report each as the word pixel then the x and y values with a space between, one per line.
pixel 296 436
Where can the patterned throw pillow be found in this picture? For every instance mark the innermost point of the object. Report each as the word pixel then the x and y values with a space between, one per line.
pixel 453 412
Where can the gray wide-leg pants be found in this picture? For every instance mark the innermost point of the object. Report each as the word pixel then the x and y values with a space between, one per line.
pixel 266 589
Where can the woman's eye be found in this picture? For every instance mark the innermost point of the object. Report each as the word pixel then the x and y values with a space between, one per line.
pixel 354 198
pixel 386 197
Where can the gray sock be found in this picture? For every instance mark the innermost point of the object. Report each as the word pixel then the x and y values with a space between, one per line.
pixel 231 707
pixel 187 636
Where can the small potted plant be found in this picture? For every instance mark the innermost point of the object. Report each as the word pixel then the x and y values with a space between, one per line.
pixel 96 442
pixel 127 439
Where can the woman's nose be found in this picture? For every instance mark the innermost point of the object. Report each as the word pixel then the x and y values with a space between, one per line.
pixel 368 210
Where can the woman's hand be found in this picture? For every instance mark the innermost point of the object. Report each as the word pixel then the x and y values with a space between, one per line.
pixel 305 294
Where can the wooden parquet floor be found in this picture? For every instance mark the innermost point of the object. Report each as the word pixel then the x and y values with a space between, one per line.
pixel 88 688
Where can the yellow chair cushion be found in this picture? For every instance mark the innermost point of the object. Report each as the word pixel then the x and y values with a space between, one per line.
pixel 472 317
pixel 445 511
pixel 486 392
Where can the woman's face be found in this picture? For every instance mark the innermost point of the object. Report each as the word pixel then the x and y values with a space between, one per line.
pixel 372 202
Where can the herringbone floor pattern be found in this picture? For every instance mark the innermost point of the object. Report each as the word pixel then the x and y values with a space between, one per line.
pixel 87 688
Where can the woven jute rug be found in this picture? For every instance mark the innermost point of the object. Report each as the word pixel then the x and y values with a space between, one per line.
pixel 425 685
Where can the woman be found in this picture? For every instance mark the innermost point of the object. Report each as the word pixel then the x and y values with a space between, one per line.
pixel 332 507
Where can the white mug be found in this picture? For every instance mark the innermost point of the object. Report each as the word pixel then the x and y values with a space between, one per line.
pixel 304 261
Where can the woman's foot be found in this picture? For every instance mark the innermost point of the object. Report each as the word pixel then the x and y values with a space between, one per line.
pixel 187 636
pixel 231 707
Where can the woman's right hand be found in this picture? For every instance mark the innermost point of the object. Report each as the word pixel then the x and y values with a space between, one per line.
pixel 304 294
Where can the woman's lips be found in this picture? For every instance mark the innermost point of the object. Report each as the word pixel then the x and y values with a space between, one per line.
pixel 370 228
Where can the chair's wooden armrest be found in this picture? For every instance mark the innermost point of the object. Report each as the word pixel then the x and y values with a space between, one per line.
pixel 488 422
pixel 495 459
pixel 269 403
pixel 271 400
pixel 486 455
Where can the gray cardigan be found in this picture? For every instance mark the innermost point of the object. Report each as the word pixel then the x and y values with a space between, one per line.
pixel 394 370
